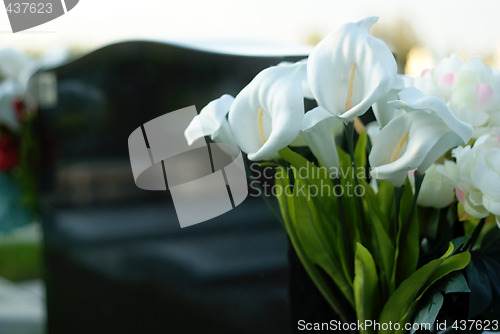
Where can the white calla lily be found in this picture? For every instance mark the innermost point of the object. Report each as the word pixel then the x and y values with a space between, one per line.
pixel 373 130
pixel 383 110
pixel 412 99
pixel 267 114
pixel 319 129
pixel 212 122
pixel 350 69
pixel 416 139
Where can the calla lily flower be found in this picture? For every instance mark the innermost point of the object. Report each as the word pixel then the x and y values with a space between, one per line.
pixel 384 111
pixel 267 114
pixel 416 139
pixel 373 130
pixel 212 122
pixel 319 129
pixel 412 99
pixel 350 69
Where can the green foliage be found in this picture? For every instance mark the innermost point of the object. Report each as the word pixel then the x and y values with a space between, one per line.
pixel 366 290
pixel 483 275
pixel 400 306
pixel 367 246
pixel 408 242
pixel 430 306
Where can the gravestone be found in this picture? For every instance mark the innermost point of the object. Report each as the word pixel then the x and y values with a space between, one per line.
pixel 116 260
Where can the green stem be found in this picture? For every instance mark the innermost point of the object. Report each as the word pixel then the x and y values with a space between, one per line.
pixel 398 194
pixel 419 178
pixel 349 130
pixel 313 272
pixel 475 235
pixel 348 261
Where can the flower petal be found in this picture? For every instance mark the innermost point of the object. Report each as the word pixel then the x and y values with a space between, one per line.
pixel 350 69
pixel 274 99
pixel 319 128
pixel 211 121
pixel 413 98
pixel 427 138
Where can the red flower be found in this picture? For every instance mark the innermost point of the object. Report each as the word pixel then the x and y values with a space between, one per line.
pixel 19 108
pixel 9 156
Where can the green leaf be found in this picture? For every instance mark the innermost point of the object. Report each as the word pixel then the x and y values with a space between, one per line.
pixel 480 286
pixel 456 284
pixel 459 242
pixel 316 223
pixel 349 203
pixel 449 265
pixel 284 197
pixel 429 313
pixel 431 305
pixel 491 241
pixel 287 208
pixel 360 151
pixel 408 243
pixel 381 246
pixel 492 267
pixel 316 232
pixel 385 195
pixel 400 306
pixel 366 291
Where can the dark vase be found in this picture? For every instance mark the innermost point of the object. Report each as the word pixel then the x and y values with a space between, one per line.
pixel 307 305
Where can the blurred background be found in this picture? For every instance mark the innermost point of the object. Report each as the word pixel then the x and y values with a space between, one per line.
pixel 82 250
pixel 424 30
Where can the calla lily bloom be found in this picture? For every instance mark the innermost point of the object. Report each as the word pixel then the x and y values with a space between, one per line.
pixel 416 139
pixel 319 129
pixel 384 111
pixel 212 122
pixel 412 99
pixel 350 69
pixel 267 114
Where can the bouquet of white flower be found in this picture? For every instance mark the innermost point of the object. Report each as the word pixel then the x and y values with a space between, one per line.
pixel 382 241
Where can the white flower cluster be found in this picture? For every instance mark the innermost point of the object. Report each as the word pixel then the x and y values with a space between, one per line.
pixel 471 90
pixel 16 69
pixel 478 187
pixel 419 120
